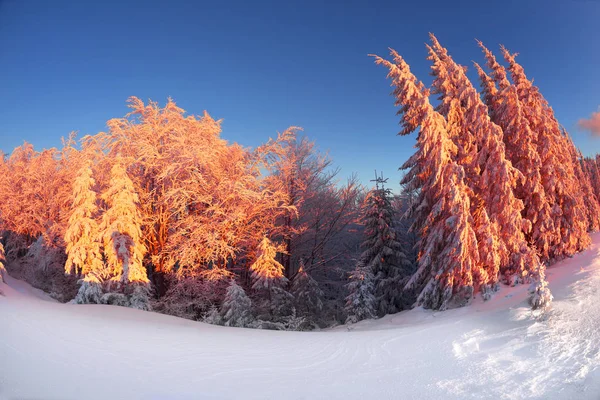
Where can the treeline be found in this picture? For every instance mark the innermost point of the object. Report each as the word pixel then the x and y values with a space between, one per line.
pixel 500 189
pixel 159 212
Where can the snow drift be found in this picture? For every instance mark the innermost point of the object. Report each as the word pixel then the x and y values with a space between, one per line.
pixel 497 349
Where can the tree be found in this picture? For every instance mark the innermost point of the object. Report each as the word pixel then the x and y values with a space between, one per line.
pixel 295 169
pixel 592 207
pixel 318 208
pixel 307 294
pixel 382 251
pixel 448 247
pixel 90 290
pixel 236 310
pixel 82 233
pixel 360 303
pixel 213 316
pixel 120 229
pixel 2 261
pixel 498 179
pixel 203 202
pixel 506 110
pixel 267 272
pixel 473 144
pixel 269 284
pixel 39 185
pixel 540 295
pixel 557 165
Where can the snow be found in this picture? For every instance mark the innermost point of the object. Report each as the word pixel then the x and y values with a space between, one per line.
pixel 490 350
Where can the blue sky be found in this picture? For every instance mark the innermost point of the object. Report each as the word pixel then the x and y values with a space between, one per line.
pixel 263 66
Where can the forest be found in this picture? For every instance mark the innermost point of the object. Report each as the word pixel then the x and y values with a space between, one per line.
pixel 160 213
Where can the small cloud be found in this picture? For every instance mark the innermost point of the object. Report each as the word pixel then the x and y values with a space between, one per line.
pixel 591 124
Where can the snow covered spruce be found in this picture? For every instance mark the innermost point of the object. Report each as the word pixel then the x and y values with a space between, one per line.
pixel 488 206
pixel 2 261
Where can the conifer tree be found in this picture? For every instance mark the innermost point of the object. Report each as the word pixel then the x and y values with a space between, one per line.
pixel 360 303
pixel 213 316
pixel 540 295
pixel 2 261
pixel 505 110
pixel 90 290
pixel 448 246
pixel 591 168
pixel 236 309
pixel 266 271
pixel 498 177
pixel 121 232
pixel 82 233
pixel 471 155
pixel 307 294
pixel 270 282
pixel 558 170
pixel 382 252
pixel 592 208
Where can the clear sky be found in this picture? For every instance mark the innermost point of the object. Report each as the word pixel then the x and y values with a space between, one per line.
pixel 263 66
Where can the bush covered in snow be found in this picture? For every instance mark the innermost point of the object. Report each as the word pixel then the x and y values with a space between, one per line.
pixel 43 267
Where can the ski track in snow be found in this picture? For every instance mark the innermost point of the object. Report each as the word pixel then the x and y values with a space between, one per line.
pixel 490 350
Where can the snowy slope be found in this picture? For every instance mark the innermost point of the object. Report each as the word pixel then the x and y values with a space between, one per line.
pixel 491 350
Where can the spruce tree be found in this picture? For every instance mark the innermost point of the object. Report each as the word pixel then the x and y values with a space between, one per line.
pixel 557 165
pixel 307 294
pixel 269 282
pixel 237 306
pixel 582 175
pixel 121 231
pixel 382 251
pixel 90 290
pixel 448 247
pixel 540 295
pixel 360 303
pixel 498 178
pixel 82 233
pixel 593 173
pixel 520 141
pixel 213 316
pixel 2 261
pixel 471 155
pixel 266 271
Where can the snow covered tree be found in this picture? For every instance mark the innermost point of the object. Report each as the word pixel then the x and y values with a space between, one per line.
pixel 120 228
pixel 296 168
pixel 448 246
pixel 594 163
pixel 213 316
pixel 382 251
pixel 360 303
pixel 237 307
pixel 2 261
pixel 203 202
pixel 307 294
pixel 266 271
pixel 457 106
pixel 506 111
pixel 592 208
pixel 498 179
pixel 557 169
pixel 90 290
pixel 540 296
pixel 317 208
pixel 82 233
pixel 269 281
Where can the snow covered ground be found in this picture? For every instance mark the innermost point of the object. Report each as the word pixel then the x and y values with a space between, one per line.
pixel 491 350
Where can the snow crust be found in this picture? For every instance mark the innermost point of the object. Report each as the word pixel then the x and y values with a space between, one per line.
pixel 497 349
